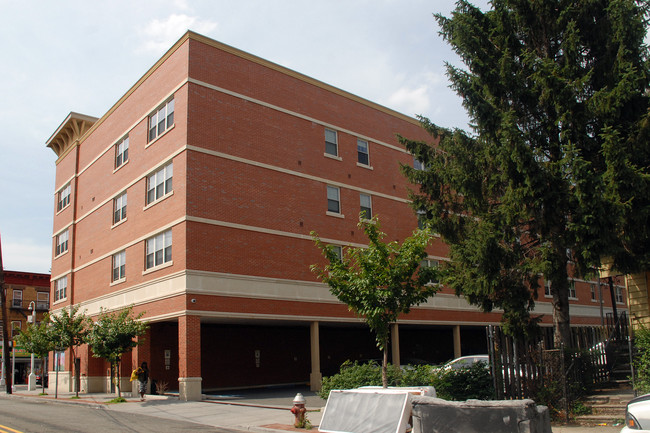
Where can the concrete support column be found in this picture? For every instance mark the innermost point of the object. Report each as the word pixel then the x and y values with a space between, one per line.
pixel 189 358
pixel 315 377
pixel 456 332
pixel 394 335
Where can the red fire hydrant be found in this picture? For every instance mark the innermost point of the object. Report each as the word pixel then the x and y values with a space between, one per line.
pixel 298 410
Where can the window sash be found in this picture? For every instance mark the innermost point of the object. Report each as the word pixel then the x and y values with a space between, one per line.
pixel 159 249
pixel 61 243
pixel 60 289
pixel 42 300
pixel 119 208
pixel 119 265
pixel 161 120
pixel 362 152
pixel 333 199
pixel 366 206
pixel 121 152
pixel 64 198
pixel 160 183
pixel 331 142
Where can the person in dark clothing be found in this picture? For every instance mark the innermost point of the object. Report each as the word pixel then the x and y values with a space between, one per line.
pixel 143 377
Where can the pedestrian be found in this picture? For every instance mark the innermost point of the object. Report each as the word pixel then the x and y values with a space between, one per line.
pixel 143 377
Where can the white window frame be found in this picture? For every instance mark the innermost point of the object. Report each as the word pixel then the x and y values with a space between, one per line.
pixel 160 183
pixel 367 209
pixel 62 242
pixel 122 152
pixel 331 190
pixel 42 300
pixel 338 250
pixel 418 165
pixel 17 298
pixel 593 294
pixel 547 289
pixel 119 208
pixel 572 290
pixel 61 288
pixel 161 120
pixel 430 263
pixel 363 152
pixel 335 143
pixel 619 295
pixel 158 250
pixel 63 198
pixel 118 272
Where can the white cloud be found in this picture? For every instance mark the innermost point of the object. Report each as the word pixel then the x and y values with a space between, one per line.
pixel 161 34
pixel 410 101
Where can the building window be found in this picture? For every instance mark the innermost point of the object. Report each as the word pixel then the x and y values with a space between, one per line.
pixel 161 120
pixel 338 250
pixel 61 243
pixel 63 198
pixel 159 249
pixel 593 292
pixel 119 208
pixel 619 295
pixel 331 142
pixel 60 288
pixel 572 289
pixel 119 266
pixel 17 301
pixel 159 184
pixel 430 263
pixel 366 206
pixel 42 301
pixel 333 199
pixel 418 165
pixel 15 327
pixel 122 152
pixel 547 289
pixel 362 152
pixel 422 219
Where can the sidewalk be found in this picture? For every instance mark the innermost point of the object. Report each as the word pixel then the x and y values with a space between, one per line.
pixel 256 410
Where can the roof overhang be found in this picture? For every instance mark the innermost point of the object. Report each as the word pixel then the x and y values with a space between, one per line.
pixel 69 132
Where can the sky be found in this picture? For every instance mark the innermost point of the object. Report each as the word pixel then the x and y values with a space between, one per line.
pixel 82 56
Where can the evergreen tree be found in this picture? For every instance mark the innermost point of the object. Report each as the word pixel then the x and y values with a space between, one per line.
pixel 113 334
pixel 381 281
pixel 553 177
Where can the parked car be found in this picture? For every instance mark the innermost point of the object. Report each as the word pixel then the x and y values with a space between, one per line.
pixel 465 361
pixel 637 415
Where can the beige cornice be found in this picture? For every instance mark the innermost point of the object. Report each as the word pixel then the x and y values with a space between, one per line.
pixel 69 132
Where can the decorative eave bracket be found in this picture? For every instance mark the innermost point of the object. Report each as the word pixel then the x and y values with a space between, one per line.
pixel 69 132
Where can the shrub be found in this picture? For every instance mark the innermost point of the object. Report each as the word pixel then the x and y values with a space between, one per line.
pixel 642 360
pixel 473 382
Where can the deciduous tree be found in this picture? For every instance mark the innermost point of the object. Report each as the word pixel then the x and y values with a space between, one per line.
pixel 37 339
pixel 379 282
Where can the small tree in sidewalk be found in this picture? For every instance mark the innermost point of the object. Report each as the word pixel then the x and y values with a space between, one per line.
pixel 113 334
pixel 381 281
pixel 37 339
pixel 68 330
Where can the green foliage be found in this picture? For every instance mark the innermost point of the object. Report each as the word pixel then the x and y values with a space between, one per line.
pixel 113 334
pixel 474 382
pixel 642 360
pixel 462 384
pixel 556 169
pixel 381 281
pixel 68 329
pixel 117 400
pixel 37 338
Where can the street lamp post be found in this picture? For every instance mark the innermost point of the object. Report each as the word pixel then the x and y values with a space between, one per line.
pixel 31 383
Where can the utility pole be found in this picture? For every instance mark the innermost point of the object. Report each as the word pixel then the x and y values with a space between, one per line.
pixel 5 327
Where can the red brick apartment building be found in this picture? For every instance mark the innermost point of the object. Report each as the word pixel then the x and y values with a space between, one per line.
pixel 227 161
pixel 26 292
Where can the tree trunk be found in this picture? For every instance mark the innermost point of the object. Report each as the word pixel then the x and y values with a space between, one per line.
pixel 560 292
pixel 384 367
pixel 117 371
